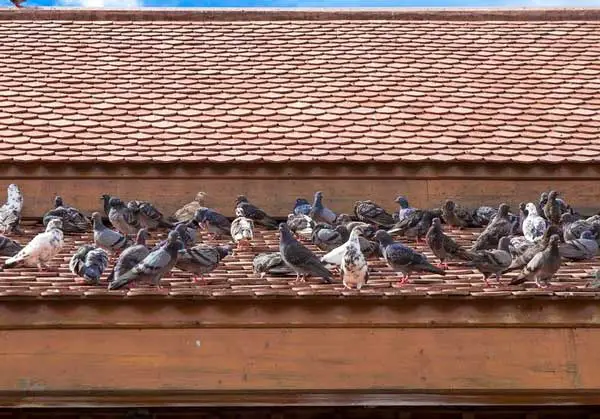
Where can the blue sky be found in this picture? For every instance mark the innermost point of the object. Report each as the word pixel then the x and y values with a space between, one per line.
pixel 310 3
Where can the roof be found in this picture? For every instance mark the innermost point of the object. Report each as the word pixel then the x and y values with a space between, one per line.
pixel 299 86
pixel 234 278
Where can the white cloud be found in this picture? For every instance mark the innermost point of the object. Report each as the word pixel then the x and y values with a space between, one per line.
pixel 110 4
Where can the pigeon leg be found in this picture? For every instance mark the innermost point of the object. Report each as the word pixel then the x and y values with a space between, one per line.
pixel 498 276
pixel 404 279
pixel 486 281
pixel 200 278
pixel 445 264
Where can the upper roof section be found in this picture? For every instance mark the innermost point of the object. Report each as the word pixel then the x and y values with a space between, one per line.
pixel 277 86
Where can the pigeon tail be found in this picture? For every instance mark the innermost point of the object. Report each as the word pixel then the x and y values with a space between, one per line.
pixel 428 267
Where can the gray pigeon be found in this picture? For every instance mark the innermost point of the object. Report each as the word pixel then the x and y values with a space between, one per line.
pixel 123 218
pixel 405 209
pixel 327 238
pixel 493 262
pixel 573 229
pixel 128 259
pixel 442 245
pixel 552 209
pixel 403 259
pixel 457 216
pixel 154 266
pixel 270 263
pixel 498 228
pixel 543 266
pixel 518 228
pixel 216 224
pixel 10 212
pixel 534 226
pixel 582 248
pixel 188 231
pixel 106 238
pixel 72 219
pixel 8 247
pixel 368 230
pixel 484 215
pixel 518 245
pixel 528 254
pixel 299 258
pixel 243 208
pixel 319 212
pixel 301 225
pixel 354 268
pixel 201 259
pixel 147 215
pixel 416 224
pixel 370 212
pixel 89 262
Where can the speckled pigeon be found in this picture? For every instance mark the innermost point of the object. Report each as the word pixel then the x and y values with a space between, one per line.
pixel 302 206
pixel 128 259
pixel 442 245
pixel 242 231
pixel 543 266
pixel 243 208
pixel 319 212
pixel 89 262
pixel 9 247
pixel 457 216
pixel 41 249
pixel 327 238
pixel 416 224
pixel 201 259
pixel 299 258
pixel 186 212
pixel 10 212
pixel 367 247
pixel 499 227
pixel 270 263
pixel 154 266
pixel 123 218
pixel 370 212
pixel 583 248
pixel 217 224
pixel 573 229
pixel 403 259
pixel 148 216
pixel 106 238
pixel 484 214
pixel 523 259
pixel 534 226
pixel 552 210
pixel 404 211
pixel 301 225
pixel 73 220
pixel 518 245
pixel 493 262
pixel 354 268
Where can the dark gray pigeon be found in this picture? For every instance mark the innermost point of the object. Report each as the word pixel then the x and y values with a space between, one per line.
pixel 89 262
pixel 8 247
pixel 299 258
pixel 370 212
pixel 484 215
pixel 457 216
pixel 498 228
pixel 270 263
pixel 216 224
pixel 327 238
pixel 187 235
pixel 583 248
pixel 534 248
pixel 416 224
pixel 543 266
pixel 243 208
pixel 403 259
pixel 128 259
pixel 518 227
pixel 106 238
pixel 319 212
pixel 442 245
pixel 154 266
pixel 73 220
pixel 552 210
pixel 105 198
pixel 201 259
pixel 123 218
pixel 493 262
pixel 148 216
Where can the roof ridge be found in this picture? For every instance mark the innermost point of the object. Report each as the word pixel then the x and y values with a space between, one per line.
pixel 304 14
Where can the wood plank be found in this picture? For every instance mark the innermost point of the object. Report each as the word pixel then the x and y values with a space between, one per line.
pixel 214 360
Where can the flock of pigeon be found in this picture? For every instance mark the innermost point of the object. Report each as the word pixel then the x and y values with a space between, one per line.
pixel 535 240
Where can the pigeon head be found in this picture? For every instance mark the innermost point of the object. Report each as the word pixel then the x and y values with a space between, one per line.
pixel 173 236
pixel 504 243
pixel 96 217
pixel 224 250
pixel 58 201
pixel 587 235
pixel 503 210
pixel 554 239
pixel 437 223
pixel 200 197
pixel 133 206
pixel 567 218
pixel 200 214
pixel 368 230
pixel 318 198
pixel 383 237
pixel 531 209
pixel 240 199
pixel 54 223
pixel 343 219
pixel 543 197
pixel 402 201
pixel 301 201
pixel 522 207
pixel 552 195
pixel 142 235
pixel 449 205
pixel 114 202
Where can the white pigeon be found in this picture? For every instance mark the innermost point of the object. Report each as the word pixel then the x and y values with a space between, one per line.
pixel 534 226
pixel 10 212
pixel 355 271
pixel 242 231
pixel 41 249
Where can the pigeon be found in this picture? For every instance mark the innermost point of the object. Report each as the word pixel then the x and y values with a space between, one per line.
pixel 354 268
pixel 201 259
pixel 147 214
pixel 106 203
pixel 301 207
pixel 122 217
pixel 368 230
pixel 299 258
pixel 442 245
pixel 154 266
pixel 89 262
pixel 217 224
pixel 10 212
pixel 186 213
pixel 573 229
pixel 9 247
pixel 582 248
pixel 242 231
pixel 534 226
pixel 245 209
pixel 483 215
pixel 106 238
pixel 301 225
pixel 128 259
pixel 523 259
pixel 188 231
pixel 367 247
pixel 543 266
pixel 499 227
pixel 552 210
pixel 403 259
pixel 73 220
pixel 492 262
pixel 41 249
pixel 415 225
pixel 270 263
pixel 370 212
pixel 518 227
pixel 320 213
pixel 518 245
pixel 327 238
pixel 404 211
pixel 457 216
pixel 541 203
